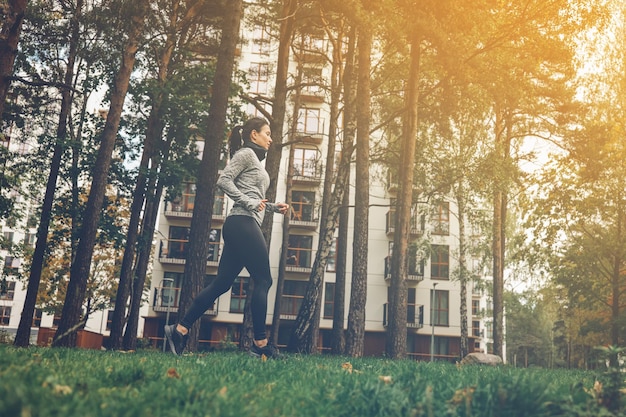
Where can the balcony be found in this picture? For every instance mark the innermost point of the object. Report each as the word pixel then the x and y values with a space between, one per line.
pixel 299 260
pixel 290 306
pixel 309 173
pixel 416 226
pixel 184 209
pixel 415 269
pixel 174 252
pixel 303 216
pixel 166 299
pixel 414 316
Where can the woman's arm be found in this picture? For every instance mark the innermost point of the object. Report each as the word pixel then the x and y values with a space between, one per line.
pixel 226 181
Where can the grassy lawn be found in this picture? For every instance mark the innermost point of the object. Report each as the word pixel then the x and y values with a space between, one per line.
pixel 73 382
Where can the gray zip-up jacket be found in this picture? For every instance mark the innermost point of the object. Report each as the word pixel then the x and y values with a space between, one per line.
pixel 245 181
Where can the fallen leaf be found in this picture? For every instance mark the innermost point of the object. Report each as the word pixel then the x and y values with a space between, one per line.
pixel 171 373
pixel 347 366
pixel 223 391
pixel 386 379
pixel 62 389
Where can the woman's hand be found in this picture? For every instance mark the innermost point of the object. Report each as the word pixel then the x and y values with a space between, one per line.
pixel 282 207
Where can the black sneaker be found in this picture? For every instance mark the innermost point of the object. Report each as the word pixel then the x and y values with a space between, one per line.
pixel 269 351
pixel 175 340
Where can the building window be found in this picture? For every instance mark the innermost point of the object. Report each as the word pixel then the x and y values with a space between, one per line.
pixel 299 252
pixel 214 244
pixel 185 201
pixel 441 308
pixel 7 290
pixel 441 220
pixel 261 40
pixel 258 77
pixel 331 261
pixel 329 300
pixel 413 311
pixel 293 294
pixel 5 315
pixel 219 205
pixel 238 294
pixel 442 346
pixel 416 261
pixel 439 262
pixel 310 121
pixel 109 320
pixel 302 204
pixel 30 239
pixel 475 307
pixel 476 328
pixel 177 243
pixel 312 80
pixel 305 163
pixel 37 318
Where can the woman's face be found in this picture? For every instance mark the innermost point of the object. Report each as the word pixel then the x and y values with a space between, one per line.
pixel 262 137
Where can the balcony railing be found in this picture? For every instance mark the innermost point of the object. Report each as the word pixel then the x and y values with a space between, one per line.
pixel 414 316
pixel 184 208
pixel 290 306
pixel 174 251
pixel 302 217
pixel 415 272
pixel 416 224
pixel 299 260
pixel 308 173
pixel 167 299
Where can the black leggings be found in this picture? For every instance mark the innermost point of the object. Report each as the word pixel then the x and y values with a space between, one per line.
pixel 244 246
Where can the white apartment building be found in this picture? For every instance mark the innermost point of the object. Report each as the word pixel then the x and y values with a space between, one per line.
pixel 434 296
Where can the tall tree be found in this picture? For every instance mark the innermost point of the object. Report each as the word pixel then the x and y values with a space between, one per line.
pixel 22 337
pixel 13 12
pixel 71 315
pixel 355 335
pixel 306 327
pixel 195 265
pixel 396 338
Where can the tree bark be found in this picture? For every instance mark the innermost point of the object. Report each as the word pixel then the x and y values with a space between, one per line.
pixel 355 336
pixel 22 338
pixel 460 202
pixel 154 132
pixel 279 107
pixel 499 234
pixel 396 327
pixel 9 39
pixel 198 249
pixel 143 259
pixel 80 270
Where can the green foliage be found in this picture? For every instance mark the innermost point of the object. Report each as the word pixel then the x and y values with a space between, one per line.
pixel 47 382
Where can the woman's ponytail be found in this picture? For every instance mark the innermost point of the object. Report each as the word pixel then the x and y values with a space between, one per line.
pixel 235 140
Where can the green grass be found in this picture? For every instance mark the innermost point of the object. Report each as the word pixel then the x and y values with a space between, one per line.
pixel 73 382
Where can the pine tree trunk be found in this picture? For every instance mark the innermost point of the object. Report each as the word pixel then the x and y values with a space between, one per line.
pixel 306 327
pixel 11 28
pixel 355 337
pixel 396 328
pixel 198 246
pixel 279 106
pixel 499 235
pixel 338 339
pixel 460 201
pixel 143 260
pixel 22 338
pixel 154 132
pixel 80 270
